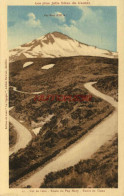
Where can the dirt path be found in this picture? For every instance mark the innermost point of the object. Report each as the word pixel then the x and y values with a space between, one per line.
pixel 84 148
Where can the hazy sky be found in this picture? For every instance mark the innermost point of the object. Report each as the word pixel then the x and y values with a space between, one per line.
pixel 92 25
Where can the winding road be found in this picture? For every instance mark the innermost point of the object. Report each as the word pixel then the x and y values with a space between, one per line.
pixel 23 92
pixel 82 149
pixel 23 136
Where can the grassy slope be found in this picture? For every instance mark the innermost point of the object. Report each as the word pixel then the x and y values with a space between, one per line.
pixel 70 118
pixel 108 85
pixel 12 135
pixel 66 71
pixel 101 171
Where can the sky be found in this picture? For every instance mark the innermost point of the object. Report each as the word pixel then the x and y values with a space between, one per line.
pixel 95 26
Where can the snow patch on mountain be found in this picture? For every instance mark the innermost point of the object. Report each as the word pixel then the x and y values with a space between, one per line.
pixel 47 66
pixel 37 49
pixel 27 64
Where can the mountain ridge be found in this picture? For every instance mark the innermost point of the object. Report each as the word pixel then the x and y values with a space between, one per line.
pixel 55 45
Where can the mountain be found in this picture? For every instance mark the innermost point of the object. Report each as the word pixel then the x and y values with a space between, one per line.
pixel 54 45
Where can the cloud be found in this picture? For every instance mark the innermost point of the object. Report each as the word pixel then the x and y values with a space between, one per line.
pixel 59 16
pixel 70 28
pixel 90 28
pixel 89 15
pixel 73 22
pixel 89 25
pixel 90 19
pixel 32 21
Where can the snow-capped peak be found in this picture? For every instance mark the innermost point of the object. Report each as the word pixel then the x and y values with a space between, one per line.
pixel 55 45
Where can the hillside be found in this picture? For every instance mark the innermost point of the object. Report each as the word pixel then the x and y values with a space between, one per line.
pixel 101 171
pixel 70 121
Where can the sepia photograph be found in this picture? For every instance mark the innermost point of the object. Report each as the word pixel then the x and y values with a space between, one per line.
pixel 63 96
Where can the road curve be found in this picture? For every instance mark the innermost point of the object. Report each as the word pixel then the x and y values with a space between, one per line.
pixel 23 92
pixel 97 93
pixel 23 136
pixel 82 149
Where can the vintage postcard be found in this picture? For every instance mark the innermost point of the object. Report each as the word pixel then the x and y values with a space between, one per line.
pixel 62 98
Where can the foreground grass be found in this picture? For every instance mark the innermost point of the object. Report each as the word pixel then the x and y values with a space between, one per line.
pixel 101 171
pixel 108 85
pixel 12 135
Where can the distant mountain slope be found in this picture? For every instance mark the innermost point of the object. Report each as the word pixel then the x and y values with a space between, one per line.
pixel 56 45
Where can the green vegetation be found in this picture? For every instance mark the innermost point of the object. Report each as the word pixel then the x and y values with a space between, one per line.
pixel 12 135
pixel 70 121
pixel 67 71
pixel 101 171
pixel 108 85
